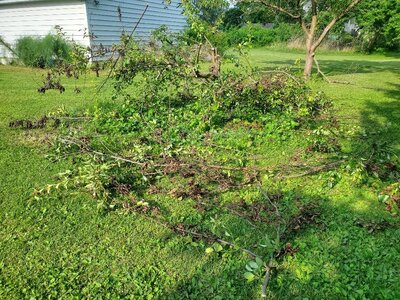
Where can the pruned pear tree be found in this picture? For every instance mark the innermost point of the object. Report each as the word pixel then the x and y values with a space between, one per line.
pixel 311 15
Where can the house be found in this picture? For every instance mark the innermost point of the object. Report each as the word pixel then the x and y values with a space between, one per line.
pixel 88 22
pixel 351 26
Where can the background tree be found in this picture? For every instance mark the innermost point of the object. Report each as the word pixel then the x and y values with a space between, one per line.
pixel 209 11
pixel 308 14
pixel 379 23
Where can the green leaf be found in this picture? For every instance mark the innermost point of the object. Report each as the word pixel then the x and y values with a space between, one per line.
pixel 253 265
pixel 209 250
pixel 249 276
pixel 218 247
pixel 383 198
pixel 259 261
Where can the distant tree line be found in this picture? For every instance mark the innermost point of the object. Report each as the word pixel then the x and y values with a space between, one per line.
pixel 378 21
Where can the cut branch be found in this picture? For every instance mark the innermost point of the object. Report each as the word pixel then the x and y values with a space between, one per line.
pixel 267 277
pixel 315 170
pixel 119 56
pixel 320 72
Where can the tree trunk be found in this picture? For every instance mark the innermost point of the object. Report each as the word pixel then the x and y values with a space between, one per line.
pixel 309 63
pixel 310 48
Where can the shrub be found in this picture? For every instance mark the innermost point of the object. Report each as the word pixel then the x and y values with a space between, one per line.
pixel 257 34
pixel 261 36
pixel 286 32
pixel 42 52
pixel 166 98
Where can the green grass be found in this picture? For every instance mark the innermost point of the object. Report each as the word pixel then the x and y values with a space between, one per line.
pixel 63 247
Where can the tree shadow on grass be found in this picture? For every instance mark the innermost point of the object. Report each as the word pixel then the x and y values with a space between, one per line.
pixel 352 252
pixel 342 67
pixel 392 92
pixel 381 121
pixel 337 256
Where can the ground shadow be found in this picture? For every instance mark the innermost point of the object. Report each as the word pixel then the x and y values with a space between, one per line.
pixel 340 234
pixel 344 254
pixel 341 67
pixel 393 93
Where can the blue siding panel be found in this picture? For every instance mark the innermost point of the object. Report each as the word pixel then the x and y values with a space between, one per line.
pixel 106 25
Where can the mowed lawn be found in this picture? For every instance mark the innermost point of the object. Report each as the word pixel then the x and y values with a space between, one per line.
pixel 63 247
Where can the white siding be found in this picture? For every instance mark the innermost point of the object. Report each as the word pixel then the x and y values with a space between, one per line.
pixel 39 18
pixel 107 25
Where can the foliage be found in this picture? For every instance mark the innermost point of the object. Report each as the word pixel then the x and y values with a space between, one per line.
pixel 60 246
pixel 260 36
pixel 316 19
pixel 42 52
pixel 160 93
pixel 245 12
pixel 233 17
pixel 324 140
pixel 379 161
pixel 255 35
pixel 379 23
pixel 391 198
pixel 208 11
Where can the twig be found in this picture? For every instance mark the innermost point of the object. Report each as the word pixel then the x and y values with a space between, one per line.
pixel 203 236
pixel 236 246
pixel 278 238
pixel 285 73
pixel 320 72
pixel 7 45
pixel 74 118
pixel 119 56
pixel 206 166
pixel 267 277
pixel 315 170
pixel 325 77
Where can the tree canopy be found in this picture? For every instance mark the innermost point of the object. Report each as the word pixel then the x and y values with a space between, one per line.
pixel 309 14
pixel 379 23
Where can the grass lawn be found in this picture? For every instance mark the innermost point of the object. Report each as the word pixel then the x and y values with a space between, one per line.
pixel 63 247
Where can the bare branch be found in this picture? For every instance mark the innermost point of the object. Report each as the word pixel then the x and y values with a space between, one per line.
pixel 267 277
pixel 320 72
pixel 279 8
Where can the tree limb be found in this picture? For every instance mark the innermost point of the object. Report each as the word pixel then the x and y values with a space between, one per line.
pixel 267 277
pixel 280 9
pixel 334 21
pixel 320 72
pixel 315 170
pixel 119 56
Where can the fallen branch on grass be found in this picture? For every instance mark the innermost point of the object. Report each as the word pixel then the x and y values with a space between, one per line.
pixel 180 228
pixel 315 170
pixel 325 77
pixel 150 164
pixel 267 277
pixel 284 73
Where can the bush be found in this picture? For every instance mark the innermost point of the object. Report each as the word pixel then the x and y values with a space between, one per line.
pixel 168 97
pixel 286 32
pixel 42 52
pixel 257 34
pixel 261 36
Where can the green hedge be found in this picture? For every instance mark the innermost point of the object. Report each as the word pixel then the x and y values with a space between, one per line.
pixel 42 52
pixel 260 35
